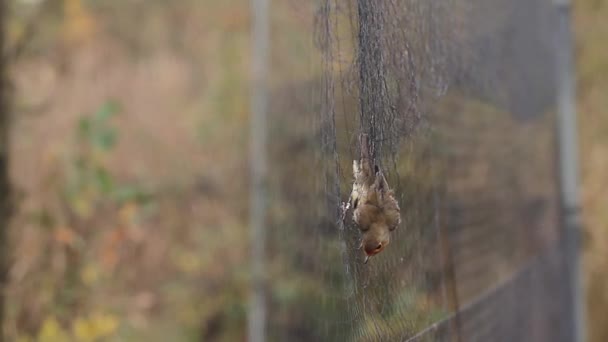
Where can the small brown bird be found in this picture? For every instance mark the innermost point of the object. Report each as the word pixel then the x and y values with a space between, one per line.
pixel 376 211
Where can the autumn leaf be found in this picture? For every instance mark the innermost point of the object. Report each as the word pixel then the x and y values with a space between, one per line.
pixel 79 24
pixel 51 331
pixel 65 236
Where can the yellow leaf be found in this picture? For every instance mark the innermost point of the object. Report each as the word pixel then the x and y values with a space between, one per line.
pixel 187 262
pixel 79 24
pixel 95 327
pixel 51 331
pixel 82 205
pixel 89 275
pixel 128 212
pixel 105 324
pixel 81 329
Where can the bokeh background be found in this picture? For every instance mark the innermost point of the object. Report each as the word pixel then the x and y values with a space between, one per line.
pixel 129 162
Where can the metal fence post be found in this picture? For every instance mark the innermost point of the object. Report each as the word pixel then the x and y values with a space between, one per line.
pixel 568 166
pixel 259 169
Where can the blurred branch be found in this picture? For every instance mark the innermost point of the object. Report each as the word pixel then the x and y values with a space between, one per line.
pixel 6 203
pixel 32 27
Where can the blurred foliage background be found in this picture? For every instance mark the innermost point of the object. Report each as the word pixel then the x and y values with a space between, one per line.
pixel 590 26
pixel 129 156
pixel 129 145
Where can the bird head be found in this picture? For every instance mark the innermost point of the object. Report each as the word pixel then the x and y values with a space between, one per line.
pixel 375 240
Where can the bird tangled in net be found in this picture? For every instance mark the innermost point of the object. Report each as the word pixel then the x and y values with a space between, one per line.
pixel 375 209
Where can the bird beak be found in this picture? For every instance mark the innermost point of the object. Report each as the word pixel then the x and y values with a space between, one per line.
pixel 366 259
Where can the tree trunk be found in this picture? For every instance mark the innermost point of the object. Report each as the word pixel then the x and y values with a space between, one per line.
pixel 5 189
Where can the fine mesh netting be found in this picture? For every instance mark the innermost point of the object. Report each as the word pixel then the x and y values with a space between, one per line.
pixel 458 99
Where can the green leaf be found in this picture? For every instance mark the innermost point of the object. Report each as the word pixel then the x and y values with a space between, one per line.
pixel 107 110
pixel 84 127
pixel 131 193
pixel 106 139
pixel 104 180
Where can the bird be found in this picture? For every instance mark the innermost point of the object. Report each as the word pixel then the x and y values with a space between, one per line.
pixel 376 212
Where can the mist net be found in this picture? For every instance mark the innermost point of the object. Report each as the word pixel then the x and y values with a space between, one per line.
pixel 458 100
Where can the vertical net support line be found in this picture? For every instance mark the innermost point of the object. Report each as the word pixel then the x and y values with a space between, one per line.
pixel 372 80
pixel 328 132
pixel 568 167
pixel 328 118
pixel 259 169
